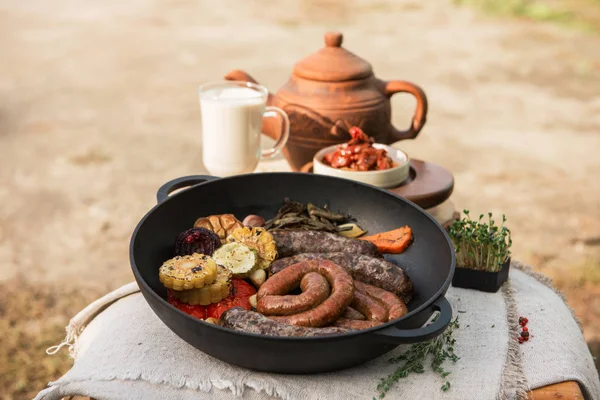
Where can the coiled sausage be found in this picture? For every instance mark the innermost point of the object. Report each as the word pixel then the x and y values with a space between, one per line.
pixel 351 313
pixel 315 289
pixel 375 271
pixel 342 292
pixel 371 309
pixel 395 307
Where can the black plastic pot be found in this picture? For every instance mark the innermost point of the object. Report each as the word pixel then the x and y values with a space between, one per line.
pixel 484 281
pixel 429 262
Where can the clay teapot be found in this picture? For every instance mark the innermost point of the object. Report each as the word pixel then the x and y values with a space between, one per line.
pixel 329 92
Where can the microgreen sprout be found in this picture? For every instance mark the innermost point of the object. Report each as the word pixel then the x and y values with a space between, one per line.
pixel 480 244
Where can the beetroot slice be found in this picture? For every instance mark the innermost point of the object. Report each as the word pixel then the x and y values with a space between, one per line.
pixel 197 240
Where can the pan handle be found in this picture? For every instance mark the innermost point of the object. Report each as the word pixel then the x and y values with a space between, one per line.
pixel 163 192
pixel 396 335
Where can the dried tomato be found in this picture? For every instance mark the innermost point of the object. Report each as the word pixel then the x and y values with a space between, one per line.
pixel 358 154
pixel 241 291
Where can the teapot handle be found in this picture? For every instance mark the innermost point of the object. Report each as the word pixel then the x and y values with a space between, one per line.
pixel 392 87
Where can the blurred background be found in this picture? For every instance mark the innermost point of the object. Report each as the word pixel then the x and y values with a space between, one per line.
pixel 98 108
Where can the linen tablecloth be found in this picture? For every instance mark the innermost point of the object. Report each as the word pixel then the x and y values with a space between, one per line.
pixel 126 352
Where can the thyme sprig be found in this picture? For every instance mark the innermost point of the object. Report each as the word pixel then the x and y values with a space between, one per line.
pixel 441 349
pixel 479 244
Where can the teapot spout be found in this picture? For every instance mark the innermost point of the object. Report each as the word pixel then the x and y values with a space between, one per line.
pixel 239 75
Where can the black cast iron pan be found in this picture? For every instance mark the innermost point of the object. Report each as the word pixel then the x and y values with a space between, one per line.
pixel 429 262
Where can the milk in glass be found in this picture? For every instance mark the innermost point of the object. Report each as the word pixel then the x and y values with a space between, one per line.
pixel 231 128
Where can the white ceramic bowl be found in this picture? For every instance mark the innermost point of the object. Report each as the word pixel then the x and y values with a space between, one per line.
pixel 387 178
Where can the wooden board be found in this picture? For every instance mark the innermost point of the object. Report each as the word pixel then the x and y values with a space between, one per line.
pixel 564 391
pixel 569 390
pixel 428 184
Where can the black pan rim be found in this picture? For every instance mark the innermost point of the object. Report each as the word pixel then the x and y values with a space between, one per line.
pixel 440 293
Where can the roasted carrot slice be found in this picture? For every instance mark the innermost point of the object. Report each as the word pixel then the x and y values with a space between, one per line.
pixel 391 246
pixel 391 235
pixel 392 242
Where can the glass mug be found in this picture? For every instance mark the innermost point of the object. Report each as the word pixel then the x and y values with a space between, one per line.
pixel 232 114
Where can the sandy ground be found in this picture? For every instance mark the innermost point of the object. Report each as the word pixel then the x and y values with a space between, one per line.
pixel 98 108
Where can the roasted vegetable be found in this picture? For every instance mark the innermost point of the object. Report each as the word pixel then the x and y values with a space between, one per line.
pixel 195 311
pixel 253 301
pixel 258 239
pixel 392 242
pixel 188 272
pixel 350 230
pixel 239 297
pixel 209 294
pixel 315 211
pixel 254 221
pixel 294 215
pixel 196 240
pixel 258 277
pixel 241 291
pixel 222 224
pixel 237 257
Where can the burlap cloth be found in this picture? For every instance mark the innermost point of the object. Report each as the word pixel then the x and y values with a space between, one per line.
pixel 126 352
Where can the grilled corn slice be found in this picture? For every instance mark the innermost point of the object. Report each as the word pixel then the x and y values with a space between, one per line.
pixel 212 293
pixel 258 239
pixel 188 272
pixel 238 258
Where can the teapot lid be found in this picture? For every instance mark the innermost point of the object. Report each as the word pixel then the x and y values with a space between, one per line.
pixel 333 63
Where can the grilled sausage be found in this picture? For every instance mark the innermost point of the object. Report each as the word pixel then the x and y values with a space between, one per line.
pixel 296 242
pixel 365 306
pixel 240 319
pixel 375 271
pixel 342 292
pixel 371 309
pixel 351 313
pixel 395 307
pixel 355 324
pixel 314 288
